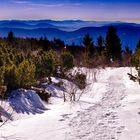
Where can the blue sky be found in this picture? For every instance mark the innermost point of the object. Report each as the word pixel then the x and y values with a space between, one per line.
pixel 100 10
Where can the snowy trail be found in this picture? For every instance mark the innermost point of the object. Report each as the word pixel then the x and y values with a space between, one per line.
pixel 100 121
pixel 110 110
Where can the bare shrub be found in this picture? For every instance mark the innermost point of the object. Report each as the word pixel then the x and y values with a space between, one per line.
pixel 72 92
pixel 5 113
pixel 78 84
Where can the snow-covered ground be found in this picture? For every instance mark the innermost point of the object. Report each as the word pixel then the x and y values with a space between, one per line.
pixel 108 110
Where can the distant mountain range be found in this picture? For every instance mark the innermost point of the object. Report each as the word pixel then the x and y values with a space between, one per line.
pixel 70 30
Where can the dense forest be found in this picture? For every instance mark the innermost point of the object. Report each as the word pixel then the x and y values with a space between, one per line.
pixel 26 61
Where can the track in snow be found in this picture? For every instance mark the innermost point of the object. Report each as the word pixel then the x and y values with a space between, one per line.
pixel 100 121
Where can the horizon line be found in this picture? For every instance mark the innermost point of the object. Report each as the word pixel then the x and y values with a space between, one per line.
pixel 89 20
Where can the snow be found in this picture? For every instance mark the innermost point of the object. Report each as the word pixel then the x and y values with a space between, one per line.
pixel 26 102
pixel 108 110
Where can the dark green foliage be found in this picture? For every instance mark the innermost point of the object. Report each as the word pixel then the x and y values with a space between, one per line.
pixel 100 44
pixel 10 77
pixel 136 59
pixel 58 44
pixel 88 44
pixel 136 56
pixel 23 61
pixel 127 50
pixel 127 55
pixel 10 56
pixel 138 45
pixel 15 71
pixel 46 64
pixel 25 74
pixel 11 40
pixel 67 61
pixel 45 44
pixel 19 69
pixel 10 37
pixel 113 44
pixel 2 87
pixel 21 76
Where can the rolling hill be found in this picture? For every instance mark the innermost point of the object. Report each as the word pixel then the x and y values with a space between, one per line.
pixel 71 31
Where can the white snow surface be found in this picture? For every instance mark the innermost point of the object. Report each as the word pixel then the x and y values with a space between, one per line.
pixel 108 110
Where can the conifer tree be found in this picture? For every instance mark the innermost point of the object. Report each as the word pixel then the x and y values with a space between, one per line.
pixel 11 38
pixel 100 44
pixel 138 45
pixel 88 44
pixel 113 44
pixel 67 60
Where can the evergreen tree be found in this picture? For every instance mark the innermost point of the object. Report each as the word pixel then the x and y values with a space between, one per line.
pixel 138 45
pixel 136 56
pixel 113 44
pixel 67 61
pixel 88 44
pixel 58 44
pixel 127 55
pixel 11 38
pixel 10 78
pixel 46 64
pixel 45 44
pixel 100 44
pixel 127 50
pixel 21 76
pixel 136 61
pixel 25 74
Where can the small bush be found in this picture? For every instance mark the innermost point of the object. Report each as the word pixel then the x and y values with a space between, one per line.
pixel 44 95
pixel 46 64
pixel 80 80
pixel 21 76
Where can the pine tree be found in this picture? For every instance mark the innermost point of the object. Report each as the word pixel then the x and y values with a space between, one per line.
pixel 45 44
pixel 46 64
pixel 11 38
pixel 100 44
pixel 136 56
pixel 67 61
pixel 113 44
pixel 127 54
pixel 25 74
pixel 88 44
pixel 138 45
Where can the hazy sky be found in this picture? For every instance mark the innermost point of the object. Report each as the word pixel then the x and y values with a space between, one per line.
pixel 102 10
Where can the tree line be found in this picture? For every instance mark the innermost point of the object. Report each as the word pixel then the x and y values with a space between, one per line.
pixel 25 61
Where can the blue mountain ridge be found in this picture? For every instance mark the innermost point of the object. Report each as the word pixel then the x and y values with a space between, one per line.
pixel 71 30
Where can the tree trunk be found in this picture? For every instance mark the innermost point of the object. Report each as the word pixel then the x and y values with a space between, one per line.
pixel 64 96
